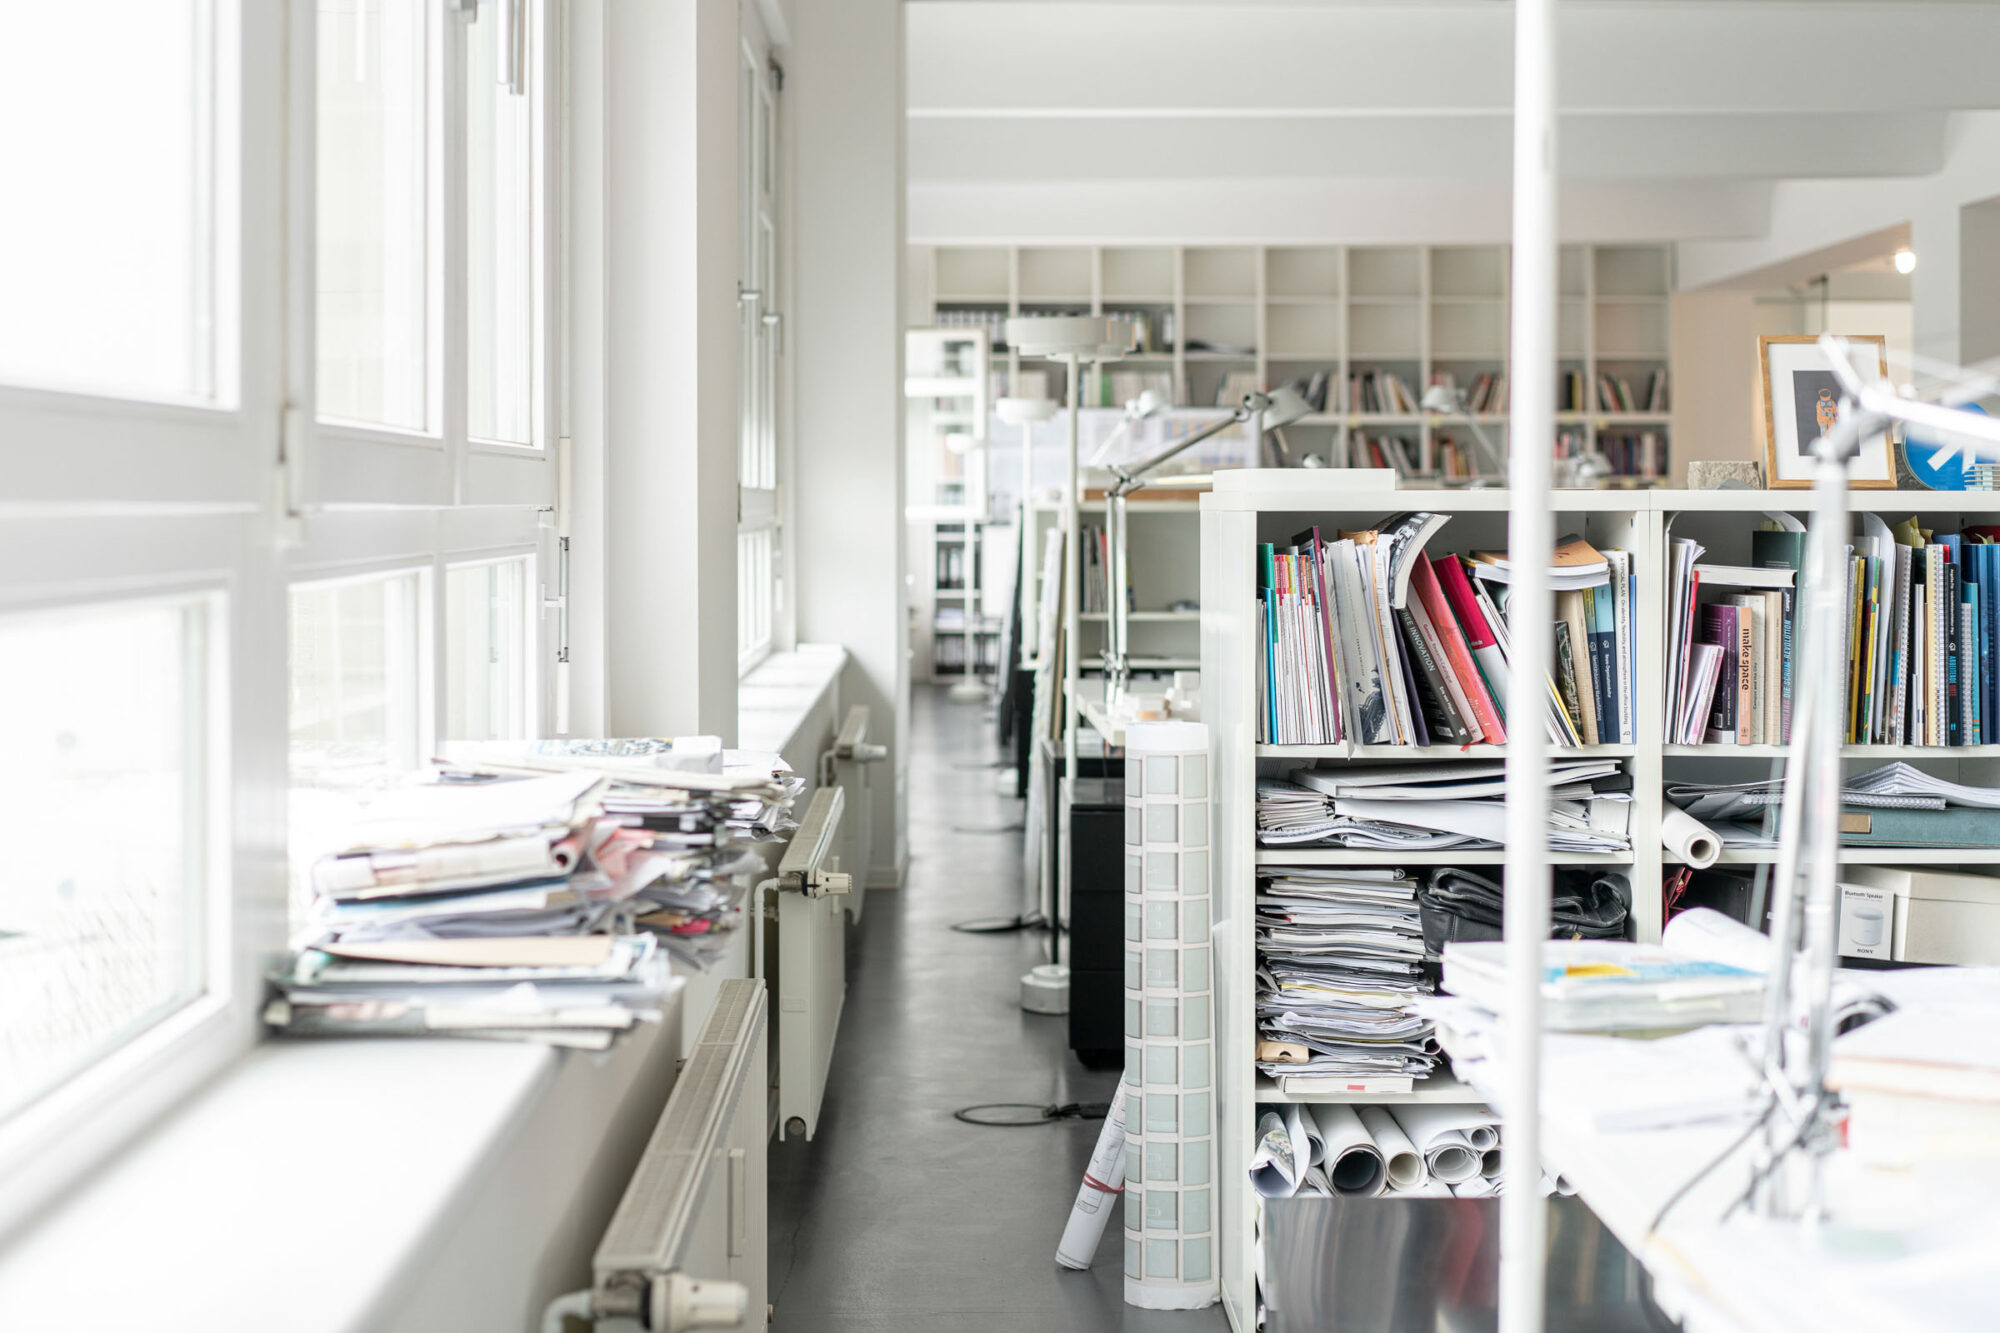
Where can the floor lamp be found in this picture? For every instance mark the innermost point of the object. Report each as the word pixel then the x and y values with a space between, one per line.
pixel 1072 339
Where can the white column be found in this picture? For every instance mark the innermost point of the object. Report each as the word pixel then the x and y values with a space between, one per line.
pixel 1530 611
pixel 844 108
pixel 663 406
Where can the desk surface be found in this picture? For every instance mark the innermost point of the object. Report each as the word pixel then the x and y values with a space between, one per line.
pixel 1899 1253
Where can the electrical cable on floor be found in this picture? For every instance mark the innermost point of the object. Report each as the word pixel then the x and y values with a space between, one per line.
pixel 1039 1114
pixel 1001 925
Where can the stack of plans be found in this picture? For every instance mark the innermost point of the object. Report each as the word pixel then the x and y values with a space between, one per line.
pixel 1897 805
pixel 530 896
pixel 1420 1150
pixel 1339 970
pixel 1423 807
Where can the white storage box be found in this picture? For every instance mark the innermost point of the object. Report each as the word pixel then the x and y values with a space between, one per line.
pixel 1938 916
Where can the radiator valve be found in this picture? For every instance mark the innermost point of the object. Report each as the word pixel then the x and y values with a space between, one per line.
pixel 682 1304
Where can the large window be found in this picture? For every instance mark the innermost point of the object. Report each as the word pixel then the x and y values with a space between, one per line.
pixel 106 723
pixel 488 649
pixel 376 165
pixel 114 274
pixel 501 236
pixel 759 589
pixel 358 668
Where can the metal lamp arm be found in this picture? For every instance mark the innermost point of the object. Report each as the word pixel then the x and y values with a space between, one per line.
pixel 1128 477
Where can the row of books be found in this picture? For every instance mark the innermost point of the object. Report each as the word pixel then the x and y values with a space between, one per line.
pixel 1636 453
pixel 1614 393
pixel 1379 391
pixel 951 561
pixel 1920 640
pixel 1399 455
pixel 1365 638
pixel 1095 545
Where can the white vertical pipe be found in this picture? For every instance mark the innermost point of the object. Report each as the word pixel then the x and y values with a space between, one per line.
pixel 1530 612
pixel 1072 633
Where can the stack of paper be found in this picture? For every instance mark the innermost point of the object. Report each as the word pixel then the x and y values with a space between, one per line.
pixel 1430 806
pixel 486 903
pixel 1611 985
pixel 1340 955
pixel 1892 806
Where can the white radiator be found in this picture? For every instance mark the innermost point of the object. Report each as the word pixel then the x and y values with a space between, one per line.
pixel 686 1248
pixel 812 961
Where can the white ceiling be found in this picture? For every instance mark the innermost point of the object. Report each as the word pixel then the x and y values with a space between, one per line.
pixel 1041 101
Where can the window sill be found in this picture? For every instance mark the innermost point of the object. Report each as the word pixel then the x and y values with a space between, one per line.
pixel 341 1186
pixel 776 700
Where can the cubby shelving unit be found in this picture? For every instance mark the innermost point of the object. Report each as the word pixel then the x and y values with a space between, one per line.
pixel 1273 507
pixel 1165 558
pixel 1276 313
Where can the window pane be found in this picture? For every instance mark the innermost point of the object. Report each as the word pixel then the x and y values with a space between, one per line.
pixel 106 243
pixel 373 262
pixel 500 240
pixel 756 553
pixel 356 710
pixel 102 807
pixel 487 655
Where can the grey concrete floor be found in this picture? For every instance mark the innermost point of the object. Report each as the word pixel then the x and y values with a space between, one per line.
pixel 897 1218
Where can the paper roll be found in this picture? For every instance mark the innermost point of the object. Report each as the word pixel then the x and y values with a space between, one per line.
pixel 1278 1163
pixel 1479 1187
pixel 1703 932
pixel 1688 838
pixel 1423 1189
pixel 1402 1164
pixel 1489 1164
pixel 1103 1181
pixel 1354 1164
pixel 1451 1138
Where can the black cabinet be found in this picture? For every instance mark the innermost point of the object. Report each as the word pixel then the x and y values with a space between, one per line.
pixel 1097 923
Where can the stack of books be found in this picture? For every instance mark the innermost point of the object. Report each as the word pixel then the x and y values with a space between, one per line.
pixel 1614 393
pixel 534 893
pixel 1920 639
pixel 1387 451
pixel 1339 969
pixel 1391 648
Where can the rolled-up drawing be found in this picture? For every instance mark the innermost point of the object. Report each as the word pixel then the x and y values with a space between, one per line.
pixel 1103 1181
pixel 1425 1188
pixel 1688 838
pixel 1305 1132
pixel 1277 1164
pixel 1489 1164
pixel 1402 1164
pixel 1479 1187
pixel 1451 1138
pixel 1353 1163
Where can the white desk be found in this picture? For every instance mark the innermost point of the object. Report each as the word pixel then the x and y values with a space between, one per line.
pixel 1900 1255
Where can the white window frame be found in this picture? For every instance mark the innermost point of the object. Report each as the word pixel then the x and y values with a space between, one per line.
pixel 532 703
pixel 760 605
pixel 108 499
pixel 338 463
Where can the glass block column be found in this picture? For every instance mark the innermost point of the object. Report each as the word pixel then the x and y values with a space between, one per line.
pixel 1169 1021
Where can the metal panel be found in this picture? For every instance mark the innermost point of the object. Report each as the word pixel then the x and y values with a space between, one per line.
pixel 1423 1265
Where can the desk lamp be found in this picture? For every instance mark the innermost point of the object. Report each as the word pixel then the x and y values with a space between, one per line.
pixel 1440 401
pixel 1271 411
pixel 1072 339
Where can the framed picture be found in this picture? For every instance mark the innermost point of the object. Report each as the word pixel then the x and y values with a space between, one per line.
pixel 1800 399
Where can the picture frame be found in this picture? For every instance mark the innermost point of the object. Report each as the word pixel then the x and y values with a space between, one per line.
pixel 1799 398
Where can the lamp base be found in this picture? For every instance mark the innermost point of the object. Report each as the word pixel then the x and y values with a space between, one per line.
pixel 968 692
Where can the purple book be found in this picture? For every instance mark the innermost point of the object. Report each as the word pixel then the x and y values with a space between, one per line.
pixel 1718 626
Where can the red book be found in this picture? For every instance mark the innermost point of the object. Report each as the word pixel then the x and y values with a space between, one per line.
pixel 1457 653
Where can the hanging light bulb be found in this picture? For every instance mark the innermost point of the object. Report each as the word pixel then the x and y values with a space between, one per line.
pixel 1906 261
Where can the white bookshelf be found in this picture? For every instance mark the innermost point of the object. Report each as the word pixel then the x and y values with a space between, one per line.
pixel 1638 521
pixel 1283 312
pixel 1165 558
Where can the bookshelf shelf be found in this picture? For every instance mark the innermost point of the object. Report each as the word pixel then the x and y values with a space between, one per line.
pixel 1864 856
pixel 1417 311
pixel 1447 856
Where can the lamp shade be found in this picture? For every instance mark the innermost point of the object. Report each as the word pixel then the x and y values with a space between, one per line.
pixel 1025 411
pixel 1091 337
pixel 1287 406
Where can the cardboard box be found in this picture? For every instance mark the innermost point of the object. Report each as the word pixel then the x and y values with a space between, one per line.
pixel 1867 917
pixel 1937 916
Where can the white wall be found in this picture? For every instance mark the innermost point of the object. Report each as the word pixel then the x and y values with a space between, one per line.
pixel 844 103
pixel 1813 216
pixel 1318 211
pixel 658 447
